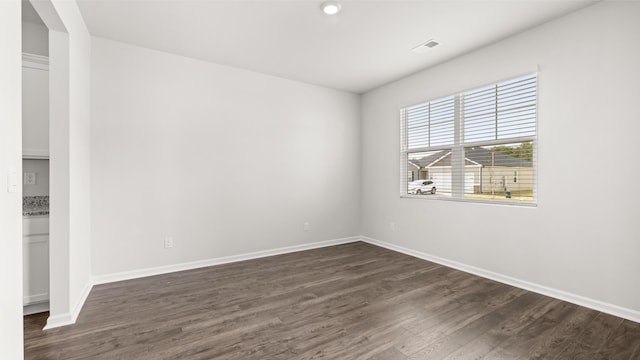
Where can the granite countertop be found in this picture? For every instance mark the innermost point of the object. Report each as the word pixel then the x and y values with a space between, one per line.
pixel 35 205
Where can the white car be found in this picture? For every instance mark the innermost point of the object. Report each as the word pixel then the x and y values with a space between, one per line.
pixel 420 187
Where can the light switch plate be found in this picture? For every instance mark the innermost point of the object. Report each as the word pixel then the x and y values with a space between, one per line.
pixel 12 180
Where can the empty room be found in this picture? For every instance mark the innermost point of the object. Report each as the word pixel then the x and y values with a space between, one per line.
pixel 385 180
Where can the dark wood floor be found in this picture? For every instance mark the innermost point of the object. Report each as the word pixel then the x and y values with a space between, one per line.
pixel 353 301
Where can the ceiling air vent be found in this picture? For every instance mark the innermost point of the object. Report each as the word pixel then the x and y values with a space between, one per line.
pixel 425 46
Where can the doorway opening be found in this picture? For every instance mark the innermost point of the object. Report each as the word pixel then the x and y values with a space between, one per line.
pixel 35 163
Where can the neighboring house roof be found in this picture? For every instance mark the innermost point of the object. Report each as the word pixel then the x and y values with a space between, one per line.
pixel 473 156
pixel 443 157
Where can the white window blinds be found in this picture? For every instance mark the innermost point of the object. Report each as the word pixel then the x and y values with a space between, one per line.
pixel 505 110
pixel 477 145
pixel 430 124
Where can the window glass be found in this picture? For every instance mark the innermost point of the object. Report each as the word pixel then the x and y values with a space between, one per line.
pixel 476 145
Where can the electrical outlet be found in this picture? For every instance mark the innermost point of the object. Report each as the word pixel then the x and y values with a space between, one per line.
pixel 168 242
pixel 306 226
pixel 392 226
pixel 29 178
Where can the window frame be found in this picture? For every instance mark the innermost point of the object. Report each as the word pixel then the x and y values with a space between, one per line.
pixel 458 147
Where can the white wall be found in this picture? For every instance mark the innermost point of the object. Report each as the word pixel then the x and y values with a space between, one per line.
pixel 59 188
pixel 35 39
pixel 70 238
pixel 583 236
pixel 41 169
pixel 11 342
pixel 79 152
pixel 225 161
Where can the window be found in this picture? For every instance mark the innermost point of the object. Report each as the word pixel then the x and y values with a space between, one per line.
pixel 477 145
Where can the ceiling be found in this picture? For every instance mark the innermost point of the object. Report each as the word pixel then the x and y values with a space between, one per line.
pixel 364 46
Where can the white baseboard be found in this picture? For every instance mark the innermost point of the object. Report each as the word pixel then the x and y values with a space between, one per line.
pixel 604 307
pixel 35 308
pixel 55 321
pixel 134 274
pixel 37 298
pixel 70 317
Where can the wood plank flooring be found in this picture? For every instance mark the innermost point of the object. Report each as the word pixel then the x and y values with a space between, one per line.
pixel 353 301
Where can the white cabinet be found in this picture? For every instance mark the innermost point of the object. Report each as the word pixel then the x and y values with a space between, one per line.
pixel 35 106
pixel 35 249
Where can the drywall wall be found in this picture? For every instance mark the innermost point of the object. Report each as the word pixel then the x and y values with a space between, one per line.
pixel 224 161
pixel 79 153
pixel 35 39
pixel 10 202
pixel 40 168
pixel 69 75
pixel 582 238
pixel 59 186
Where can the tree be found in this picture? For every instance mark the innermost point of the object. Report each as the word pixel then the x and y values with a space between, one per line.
pixel 523 151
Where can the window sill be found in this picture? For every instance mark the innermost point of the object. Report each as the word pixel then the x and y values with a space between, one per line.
pixel 466 200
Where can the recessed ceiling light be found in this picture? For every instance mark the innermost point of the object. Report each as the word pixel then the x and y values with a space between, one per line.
pixel 431 43
pixel 330 7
